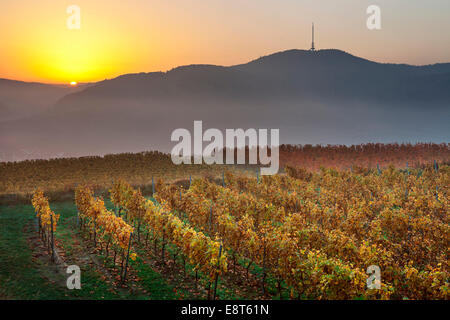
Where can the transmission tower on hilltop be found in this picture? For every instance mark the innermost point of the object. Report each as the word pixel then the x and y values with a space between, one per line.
pixel 312 45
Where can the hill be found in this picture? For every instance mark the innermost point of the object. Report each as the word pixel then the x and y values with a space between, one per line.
pixel 328 96
pixel 20 99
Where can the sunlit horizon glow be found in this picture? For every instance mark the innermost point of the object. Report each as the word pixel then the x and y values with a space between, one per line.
pixel 118 37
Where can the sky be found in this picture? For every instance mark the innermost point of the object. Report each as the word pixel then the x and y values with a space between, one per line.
pixel 118 37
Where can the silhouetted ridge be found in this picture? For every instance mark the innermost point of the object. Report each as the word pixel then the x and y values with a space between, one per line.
pixel 197 67
pixel 326 96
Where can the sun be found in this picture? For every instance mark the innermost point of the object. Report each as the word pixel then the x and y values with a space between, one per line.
pixel 73 83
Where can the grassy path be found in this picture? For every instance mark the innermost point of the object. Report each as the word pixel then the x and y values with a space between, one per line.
pixel 27 273
pixel 22 276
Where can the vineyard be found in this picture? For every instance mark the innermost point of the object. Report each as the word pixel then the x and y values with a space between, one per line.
pixel 318 232
pixel 59 177
pixel 300 235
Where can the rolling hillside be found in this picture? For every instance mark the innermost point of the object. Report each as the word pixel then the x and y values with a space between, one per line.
pixel 327 96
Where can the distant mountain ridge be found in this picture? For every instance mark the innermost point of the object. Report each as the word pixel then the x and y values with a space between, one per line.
pixel 20 99
pixel 326 96
pixel 328 73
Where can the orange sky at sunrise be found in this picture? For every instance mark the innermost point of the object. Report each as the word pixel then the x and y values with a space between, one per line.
pixel 118 37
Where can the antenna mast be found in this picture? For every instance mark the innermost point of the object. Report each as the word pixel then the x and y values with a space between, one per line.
pixel 312 45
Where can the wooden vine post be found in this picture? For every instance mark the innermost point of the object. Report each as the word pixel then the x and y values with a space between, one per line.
pixel 217 275
pixel 139 229
pixel 95 233
pixel 163 245
pixel 52 238
pixel 153 187
pixel 128 257
pixel 264 268
pixel 40 227
pixel 210 219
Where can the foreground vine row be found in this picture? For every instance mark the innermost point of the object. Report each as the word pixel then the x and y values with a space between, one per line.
pixel 157 219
